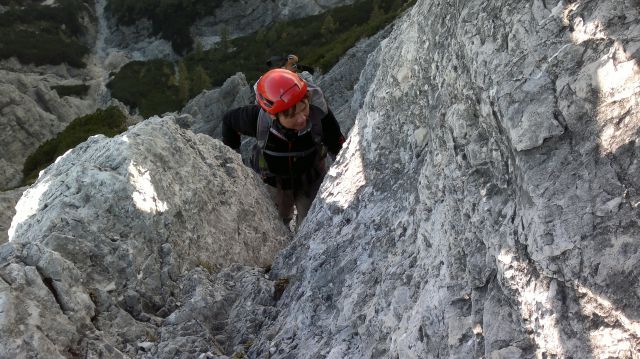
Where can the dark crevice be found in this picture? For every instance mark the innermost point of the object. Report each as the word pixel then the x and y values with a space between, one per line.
pixel 94 318
pixel 2 278
pixel 48 282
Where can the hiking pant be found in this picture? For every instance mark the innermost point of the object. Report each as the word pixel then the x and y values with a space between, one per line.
pixel 285 200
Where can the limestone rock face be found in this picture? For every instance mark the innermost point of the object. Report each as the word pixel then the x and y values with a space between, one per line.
pixel 486 202
pixel 137 42
pixel 32 113
pixel 107 249
pixel 340 83
pixel 208 108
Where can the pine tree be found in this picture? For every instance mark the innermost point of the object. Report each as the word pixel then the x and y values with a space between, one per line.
pixel 272 36
pixel 183 82
pixel 199 51
pixel 225 38
pixel 200 81
pixel 261 35
pixel 397 5
pixel 329 26
pixel 377 13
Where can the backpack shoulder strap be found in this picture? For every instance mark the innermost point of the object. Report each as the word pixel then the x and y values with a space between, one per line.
pixel 264 126
pixel 319 110
pixel 316 98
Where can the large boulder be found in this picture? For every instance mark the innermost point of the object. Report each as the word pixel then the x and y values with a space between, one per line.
pixel 486 202
pixel 113 245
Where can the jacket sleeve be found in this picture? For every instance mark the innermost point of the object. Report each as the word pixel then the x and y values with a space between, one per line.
pixel 331 135
pixel 239 121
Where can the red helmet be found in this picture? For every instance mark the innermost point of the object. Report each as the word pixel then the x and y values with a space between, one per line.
pixel 279 89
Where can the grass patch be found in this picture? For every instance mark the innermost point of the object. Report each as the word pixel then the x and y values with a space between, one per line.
pixel 155 87
pixel 42 35
pixel 71 90
pixel 109 122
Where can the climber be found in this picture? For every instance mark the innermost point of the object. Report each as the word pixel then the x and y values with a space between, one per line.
pixel 294 129
pixel 289 62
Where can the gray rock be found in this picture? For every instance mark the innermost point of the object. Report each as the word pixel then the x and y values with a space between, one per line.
pixel 227 309
pixel 25 125
pixel 485 204
pixel 104 245
pixel 135 43
pixel 208 108
pixel 32 112
pixel 244 17
pixel 339 84
pixel 8 201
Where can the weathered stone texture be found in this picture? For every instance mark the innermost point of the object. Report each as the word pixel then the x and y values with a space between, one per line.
pixel 484 206
pixel 486 203
pixel 208 108
pixel 346 79
pixel 104 246
pixel 31 113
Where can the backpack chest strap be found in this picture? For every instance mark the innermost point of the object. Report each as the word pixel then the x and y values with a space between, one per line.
pixel 291 154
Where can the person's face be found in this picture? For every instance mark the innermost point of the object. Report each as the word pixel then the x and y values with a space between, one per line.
pixel 297 120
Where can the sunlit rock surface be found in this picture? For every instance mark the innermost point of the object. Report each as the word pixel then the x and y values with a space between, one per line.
pixel 8 200
pixel 110 250
pixel 486 203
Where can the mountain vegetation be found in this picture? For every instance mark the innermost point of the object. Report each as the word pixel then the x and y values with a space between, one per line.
pixel 41 34
pixel 109 122
pixel 318 40
pixel 171 19
pixel 71 90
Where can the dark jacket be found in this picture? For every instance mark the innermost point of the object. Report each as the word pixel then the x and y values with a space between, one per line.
pixel 288 158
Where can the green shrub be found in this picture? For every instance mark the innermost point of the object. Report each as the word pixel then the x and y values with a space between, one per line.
pixel 71 90
pixel 40 48
pixel 149 86
pixel 41 35
pixel 109 122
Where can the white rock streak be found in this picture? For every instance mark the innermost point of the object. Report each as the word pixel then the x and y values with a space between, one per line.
pixel 28 205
